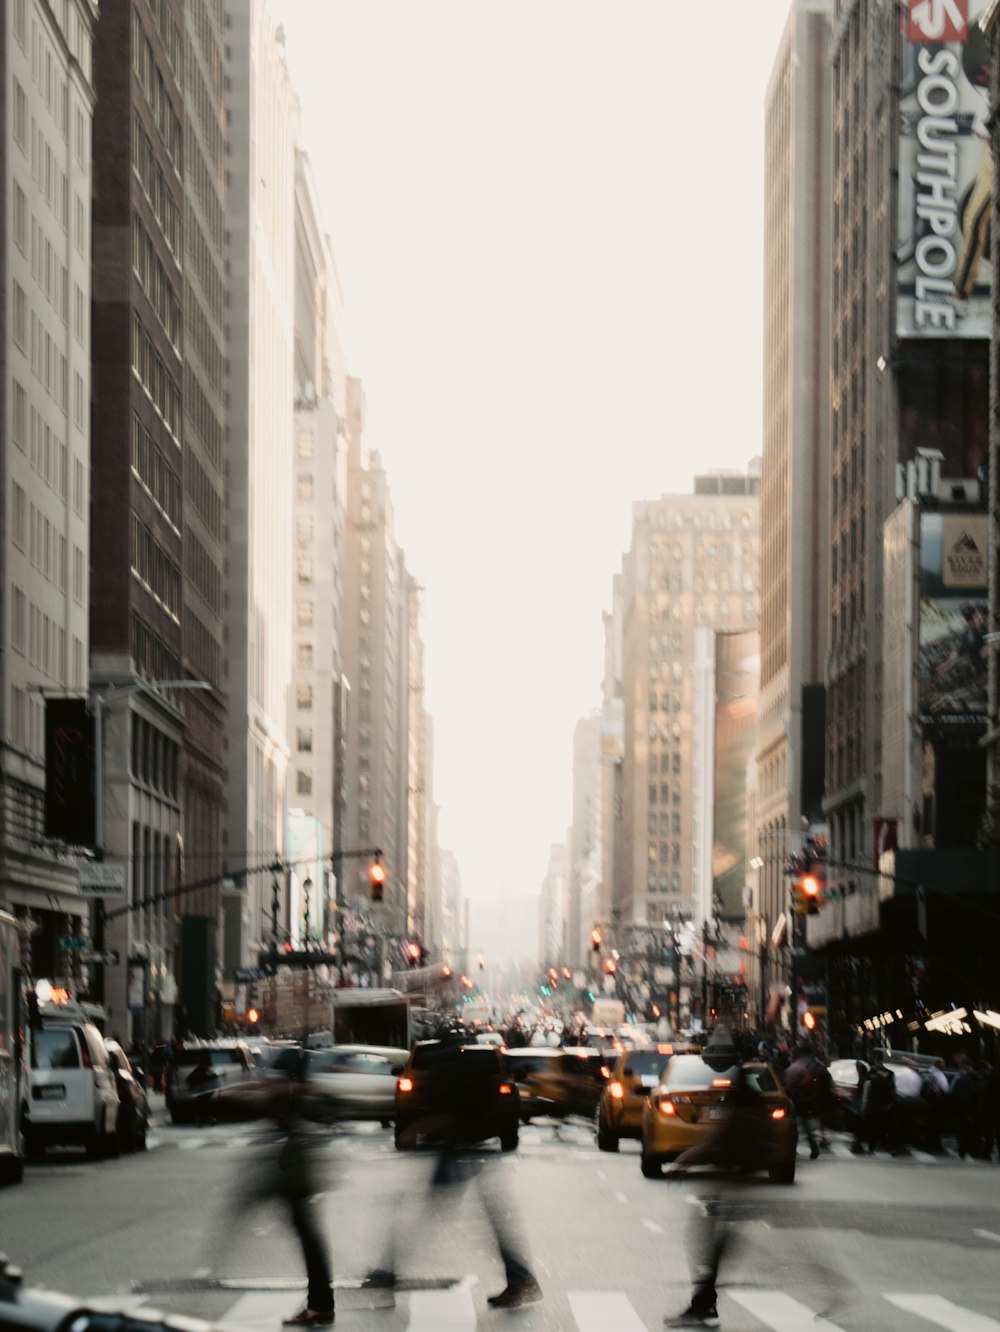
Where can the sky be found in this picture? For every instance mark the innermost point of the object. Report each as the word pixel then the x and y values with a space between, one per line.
pixel 547 217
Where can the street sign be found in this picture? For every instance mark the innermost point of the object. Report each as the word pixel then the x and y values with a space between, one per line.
pixel 102 879
pixel 107 958
pixel 71 941
pixel 244 974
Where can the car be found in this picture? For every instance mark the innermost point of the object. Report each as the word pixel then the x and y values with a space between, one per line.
pixel 133 1104
pixel 198 1069
pixel 490 1038
pixel 356 1081
pixel 689 1105
pixel 71 1098
pixel 634 1074
pixel 455 1091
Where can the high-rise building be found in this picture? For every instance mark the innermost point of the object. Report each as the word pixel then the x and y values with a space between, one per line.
pixel 419 789
pixel 585 838
pixel 318 697
pixel 794 480
pixel 554 908
pixel 203 756
pixel 263 120
pixel 45 373
pixel 137 481
pixel 694 560
pixel 376 638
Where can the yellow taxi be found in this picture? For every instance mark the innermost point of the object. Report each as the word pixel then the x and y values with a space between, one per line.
pixel 696 1101
pixel 634 1074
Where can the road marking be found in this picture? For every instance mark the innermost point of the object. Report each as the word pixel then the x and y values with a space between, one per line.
pixel 651 1225
pixel 261 1309
pixel 599 1310
pixel 189 1144
pixel 987 1234
pixel 938 1310
pixel 443 1310
pixel 602 1174
pixel 779 1311
pixel 622 1198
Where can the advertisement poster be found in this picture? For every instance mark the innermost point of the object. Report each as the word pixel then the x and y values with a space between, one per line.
pixel 952 656
pixel 945 172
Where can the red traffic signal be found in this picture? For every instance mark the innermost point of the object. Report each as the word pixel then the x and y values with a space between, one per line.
pixel 610 966
pixel 596 939
pixel 376 878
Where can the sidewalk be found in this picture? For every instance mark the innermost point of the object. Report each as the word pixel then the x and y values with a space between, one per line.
pixel 158 1114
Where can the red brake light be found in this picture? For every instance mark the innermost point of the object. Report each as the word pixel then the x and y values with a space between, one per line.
pixel 404 1085
pixel 506 1089
pixel 604 1072
pixel 616 1091
pixel 85 1059
pixel 666 1106
pixel 722 1082
pixel 778 1112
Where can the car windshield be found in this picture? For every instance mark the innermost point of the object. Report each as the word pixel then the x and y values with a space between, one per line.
pixel 692 1073
pixel 203 1056
pixel 645 1061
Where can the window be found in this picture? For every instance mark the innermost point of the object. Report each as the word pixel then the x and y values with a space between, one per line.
pixel 19 415
pixel 19 507
pixel 20 116
pixel 304 697
pixel 20 218
pixel 306 444
pixel 304 656
pixel 304 739
pixel 304 613
pixel 304 569
pixel 304 486
pixel 20 330
pixel 303 782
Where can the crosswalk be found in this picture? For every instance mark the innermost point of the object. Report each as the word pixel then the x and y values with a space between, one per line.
pixel 458 1307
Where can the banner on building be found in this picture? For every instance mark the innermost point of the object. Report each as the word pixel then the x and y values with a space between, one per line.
pixel 952 657
pixel 945 172
pixel 69 771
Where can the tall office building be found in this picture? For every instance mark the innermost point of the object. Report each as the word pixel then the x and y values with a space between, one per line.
pixel 585 838
pixel 794 480
pixel 263 119
pixel 317 700
pixel 203 756
pixel 136 588
pixel 419 788
pixel 377 660
pixel 694 560
pixel 45 340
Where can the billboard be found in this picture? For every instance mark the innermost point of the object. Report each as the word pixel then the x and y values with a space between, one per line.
pixel 945 172
pixel 952 655
pixel 69 771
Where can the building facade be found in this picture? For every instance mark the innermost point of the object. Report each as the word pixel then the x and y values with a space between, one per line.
pixel 794 493
pixel 263 117
pixel 586 851
pixel 46 182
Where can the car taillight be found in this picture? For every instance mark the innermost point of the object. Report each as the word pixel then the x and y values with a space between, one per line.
pixel 778 1112
pixel 85 1059
pixel 404 1085
pixel 604 1072
pixel 506 1089
pixel 616 1090
pixel 665 1106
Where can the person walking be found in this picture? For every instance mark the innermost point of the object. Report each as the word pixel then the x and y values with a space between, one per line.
pixel 878 1105
pixel 802 1082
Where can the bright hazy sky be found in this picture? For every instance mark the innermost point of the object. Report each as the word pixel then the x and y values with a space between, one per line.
pixel 547 219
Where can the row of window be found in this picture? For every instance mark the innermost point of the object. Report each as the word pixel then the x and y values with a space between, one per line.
pixel 200 340
pixel 155 568
pixel 664 793
pixel 151 656
pixel 48 454
pixel 155 282
pixel 664 853
pixel 156 379
pixel 667 763
pixel 39 539
pixel 201 264
pixel 202 648
pixel 37 636
pixel 155 758
pixel 199 178
pixel 202 494
pixel 152 467
pixel 155 186
pixel 666 703
pixel 151 81
pixel 50 273
pixel 203 572
pixel 203 420
pixel 663 883
pixel 663 824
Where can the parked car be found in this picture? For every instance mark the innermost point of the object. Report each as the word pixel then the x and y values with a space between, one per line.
pixel 356 1081
pixel 198 1070
pixel 633 1077
pixel 449 1091
pixel 690 1105
pixel 71 1098
pixel 133 1105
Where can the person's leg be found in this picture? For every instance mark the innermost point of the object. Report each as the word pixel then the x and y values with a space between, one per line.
pixel 501 1217
pixel 314 1251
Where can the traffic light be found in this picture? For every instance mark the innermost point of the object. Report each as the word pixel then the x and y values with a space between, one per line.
pixel 610 966
pixel 253 1016
pixel 376 878
pixel 807 894
pixel 413 951
pixel 553 977
pixel 596 939
pixel 446 972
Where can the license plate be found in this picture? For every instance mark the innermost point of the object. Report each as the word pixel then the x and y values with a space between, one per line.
pixel 50 1093
pixel 717 1112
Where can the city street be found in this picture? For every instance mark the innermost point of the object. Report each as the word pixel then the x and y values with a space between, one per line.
pixel 863 1243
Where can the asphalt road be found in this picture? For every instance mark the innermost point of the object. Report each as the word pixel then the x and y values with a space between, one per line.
pixel 863 1243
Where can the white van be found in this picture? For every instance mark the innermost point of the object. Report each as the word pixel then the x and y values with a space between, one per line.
pixel 71 1095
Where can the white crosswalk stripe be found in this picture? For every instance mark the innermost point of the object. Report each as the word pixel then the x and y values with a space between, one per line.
pixel 943 1313
pixel 443 1310
pixel 600 1310
pixel 259 1309
pixel 779 1311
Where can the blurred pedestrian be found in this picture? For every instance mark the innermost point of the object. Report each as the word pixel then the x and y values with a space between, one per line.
pixel 878 1105
pixel 802 1082
pixel 967 1103
pixel 460 1088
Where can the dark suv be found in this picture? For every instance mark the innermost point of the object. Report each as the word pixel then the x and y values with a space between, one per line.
pixel 455 1094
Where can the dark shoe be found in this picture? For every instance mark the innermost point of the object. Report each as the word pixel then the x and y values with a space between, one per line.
pixel 692 1318
pixel 857 1149
pixel 379 1279
pixel 813 1153
pixel 516 1294
pixel 310 1318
